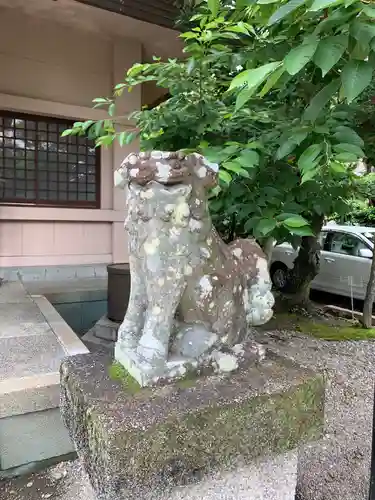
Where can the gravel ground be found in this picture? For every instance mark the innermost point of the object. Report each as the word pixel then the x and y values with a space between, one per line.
pixel 337 468
pixel 65 481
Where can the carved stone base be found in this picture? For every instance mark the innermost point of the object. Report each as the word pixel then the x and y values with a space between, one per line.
pixel 146 373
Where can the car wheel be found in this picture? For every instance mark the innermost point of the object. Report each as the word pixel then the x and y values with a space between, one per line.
pixel 279 276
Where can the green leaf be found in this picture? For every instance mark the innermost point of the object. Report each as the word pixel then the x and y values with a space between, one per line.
pixel 100 100
pixel 298 57
pixel 126 138
pixel 271 82
pixel 136 69
pixel 86 125
pixel 330 51
pixel 248 158
pixel 337 18
pixel 355 77
pixel 112 109
pixel 98 127
pixel 244 173
pixel 239 28
pixel 346 134
pixel 214 6
pixel 105 140
pixel 285 215
pixel 309 175
pixel 323 4
pixel 266 226
pixel 239 80
pixel 120 86
pixel 363 32
pixel 254 145
pixel 346 157
pixel 233 166
pixel 360 51
pixel 189 35
pixel 290 144
pixel 369 11
pixel 285 10
pixel 337 168
pixel 251 223
pixel 254 77
pixel 321 99
pixel 243 96
pixel 225 176
pixel 302 231
pixel 122 138
pixel 349 148
pixel 307 159
pixel 295 221
pixel 66 132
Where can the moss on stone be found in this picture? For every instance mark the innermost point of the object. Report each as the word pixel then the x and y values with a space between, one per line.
pixel 213 438
pixel 189 380
pixel 321 327
pixel 326 331
pixel 117 372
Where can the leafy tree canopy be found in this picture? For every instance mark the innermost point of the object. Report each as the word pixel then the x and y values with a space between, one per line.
pixel 268 89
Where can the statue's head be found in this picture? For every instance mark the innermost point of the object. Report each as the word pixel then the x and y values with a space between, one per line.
pixel 166 168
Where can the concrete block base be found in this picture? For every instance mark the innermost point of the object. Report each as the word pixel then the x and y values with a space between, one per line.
pixel 215 437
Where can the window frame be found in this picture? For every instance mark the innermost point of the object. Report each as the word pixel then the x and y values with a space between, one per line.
pixel 95 204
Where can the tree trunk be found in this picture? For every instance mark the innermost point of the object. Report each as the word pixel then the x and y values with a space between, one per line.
pixel 369 299
pixel 267 249
pixel 306 266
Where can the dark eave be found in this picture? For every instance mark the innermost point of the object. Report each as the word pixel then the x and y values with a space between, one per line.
pixel 160 12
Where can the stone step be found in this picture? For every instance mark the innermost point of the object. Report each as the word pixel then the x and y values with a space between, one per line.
pixel 33 341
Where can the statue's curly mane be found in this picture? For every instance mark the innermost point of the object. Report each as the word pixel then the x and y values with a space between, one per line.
pixel 168 168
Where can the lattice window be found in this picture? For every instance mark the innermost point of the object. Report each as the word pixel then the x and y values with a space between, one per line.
pixel 39 167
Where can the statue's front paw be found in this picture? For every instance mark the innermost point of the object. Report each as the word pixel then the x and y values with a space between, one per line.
pixel 154 353
pixel 128 337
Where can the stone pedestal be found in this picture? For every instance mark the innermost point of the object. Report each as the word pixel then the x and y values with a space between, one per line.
pixel 232 437
pixel 103 333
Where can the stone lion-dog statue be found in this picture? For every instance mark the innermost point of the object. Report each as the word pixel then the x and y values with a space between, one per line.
pixel 190 291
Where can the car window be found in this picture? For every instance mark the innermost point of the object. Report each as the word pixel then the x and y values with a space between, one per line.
pixel 322 238
pixel 344 243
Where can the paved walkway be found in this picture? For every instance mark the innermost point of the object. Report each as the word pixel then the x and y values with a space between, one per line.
pixel 28 345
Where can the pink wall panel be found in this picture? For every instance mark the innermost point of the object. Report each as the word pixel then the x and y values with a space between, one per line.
pixel 10 238
pixel 36 243
pixel 97 238
pixel 37 238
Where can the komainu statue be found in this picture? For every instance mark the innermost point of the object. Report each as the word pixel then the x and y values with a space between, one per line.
pixel 190 292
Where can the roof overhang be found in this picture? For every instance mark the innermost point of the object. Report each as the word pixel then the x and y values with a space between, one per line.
pixel 159 12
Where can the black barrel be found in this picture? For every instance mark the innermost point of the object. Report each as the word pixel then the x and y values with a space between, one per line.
pixel 118 291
